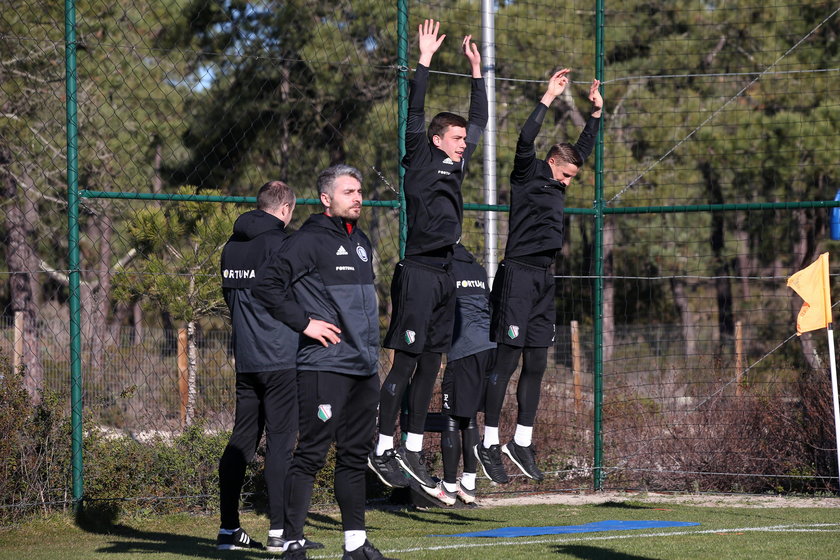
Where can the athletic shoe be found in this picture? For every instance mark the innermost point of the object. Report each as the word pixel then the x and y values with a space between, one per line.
pixel 238 540
pixel 412 463
pixel 465 495
pixel 490 459
pixel 440 493
pixel 524 458
pixel 387 469
pixel 365 552
pixel 277 544
pixel 296 551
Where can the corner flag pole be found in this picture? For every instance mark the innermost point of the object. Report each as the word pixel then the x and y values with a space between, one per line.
pixel 830 334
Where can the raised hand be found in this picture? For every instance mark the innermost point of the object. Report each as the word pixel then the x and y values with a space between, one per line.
pixel 556 85
pixel 472 53
pixel 595 95
pixel 428 40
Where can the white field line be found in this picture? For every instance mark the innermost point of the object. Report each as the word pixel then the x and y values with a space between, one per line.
pixel 491 541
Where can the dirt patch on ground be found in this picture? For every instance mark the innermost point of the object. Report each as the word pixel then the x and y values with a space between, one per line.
pixel 712 500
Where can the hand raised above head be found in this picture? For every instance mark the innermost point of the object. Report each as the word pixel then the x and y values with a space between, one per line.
pixel 595 95
pixel 428 39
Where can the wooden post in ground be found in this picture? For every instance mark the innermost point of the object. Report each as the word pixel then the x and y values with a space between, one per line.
pixel 576 367
pixel 183 374
pixel 17 358
pixel 739 357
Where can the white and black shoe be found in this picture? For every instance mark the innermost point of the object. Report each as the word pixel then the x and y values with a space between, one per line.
pixel 365 552
pixel 490 459
pixel 278 544
pixel 441 494
pixel 238 540
pixel 387 469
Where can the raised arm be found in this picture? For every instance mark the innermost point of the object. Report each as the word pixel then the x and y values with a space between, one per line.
pixel 479 112
pixel 586 140
pixel 415 126
pixel 525 158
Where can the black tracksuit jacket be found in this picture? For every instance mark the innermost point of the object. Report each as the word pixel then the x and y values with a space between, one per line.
pixel 537 200
pixel 330 274
pixel 472 306
pixel 434 204
pixel 260 342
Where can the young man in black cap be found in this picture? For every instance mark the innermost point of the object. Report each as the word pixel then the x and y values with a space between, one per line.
pixel 321 285
pixel 523 289
pixel 423 288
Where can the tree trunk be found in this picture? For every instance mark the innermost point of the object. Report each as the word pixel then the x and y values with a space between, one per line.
pixel 192 366
pixel 689 330
pixel 21 261
pixel 608 320
pixel 99 297
pixel 723 287
pixel 805 246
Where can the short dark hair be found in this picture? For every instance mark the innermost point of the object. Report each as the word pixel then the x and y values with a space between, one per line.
pixel 565 152
pixel 274 194
pixel 327 177
pixel 442 121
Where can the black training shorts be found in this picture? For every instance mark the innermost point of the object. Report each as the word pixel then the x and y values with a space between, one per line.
pixel 522 301
pixel 462 387
pixel 423 308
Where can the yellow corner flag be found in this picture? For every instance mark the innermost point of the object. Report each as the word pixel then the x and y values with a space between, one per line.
pixel 811 283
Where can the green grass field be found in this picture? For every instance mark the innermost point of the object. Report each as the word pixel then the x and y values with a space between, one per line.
pixel 724 532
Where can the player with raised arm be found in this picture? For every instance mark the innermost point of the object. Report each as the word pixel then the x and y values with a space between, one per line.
pixel 423 287
pixel 522 298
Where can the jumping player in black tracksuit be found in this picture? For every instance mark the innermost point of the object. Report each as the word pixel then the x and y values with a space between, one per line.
pixel 462 389
pixel 423 288
pixel 328 267
pixel 523 289
pixel 264 351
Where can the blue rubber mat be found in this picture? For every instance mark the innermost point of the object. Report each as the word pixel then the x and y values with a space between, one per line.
pixel 610 525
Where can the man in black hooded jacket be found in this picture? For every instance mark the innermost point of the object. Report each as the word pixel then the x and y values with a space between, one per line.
pixel 264 351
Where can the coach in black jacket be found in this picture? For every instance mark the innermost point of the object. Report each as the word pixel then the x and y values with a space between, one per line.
pixel 264 350
pixel 328 267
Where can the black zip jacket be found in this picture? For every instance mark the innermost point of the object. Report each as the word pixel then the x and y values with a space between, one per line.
pixel 260 342
pixel 537 200
pixel 472 306
pixel 434 204
pixel 330 274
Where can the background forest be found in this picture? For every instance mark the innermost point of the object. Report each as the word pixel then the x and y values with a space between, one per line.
pixel 710 102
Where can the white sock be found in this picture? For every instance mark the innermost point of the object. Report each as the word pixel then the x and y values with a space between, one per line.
pixel 228 531
pixel 275 533
pixel 354 540
pixel 450 487
pixel 414 442
pixel 491 435
pixel 522 436
pixel 384 444
pixel 468 481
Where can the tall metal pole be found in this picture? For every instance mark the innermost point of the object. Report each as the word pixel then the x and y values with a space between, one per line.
pixel 598 311
pixel 402 109
pixel 488 58
pixel 73 252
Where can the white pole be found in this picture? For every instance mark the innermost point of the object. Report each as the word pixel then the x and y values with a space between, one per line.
pixel 834 393
pixel 488 58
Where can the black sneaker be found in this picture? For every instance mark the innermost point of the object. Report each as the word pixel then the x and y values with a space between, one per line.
pixel 412 463
pixel 524 458
pixel 490 459
pixel 238 540
pixel 387 469
pixel 278 544
pixel 296 551
pixel 365 552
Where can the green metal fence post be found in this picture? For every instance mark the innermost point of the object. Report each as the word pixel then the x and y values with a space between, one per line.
pixel 598 311
pixel 73 253
pixel 402 108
